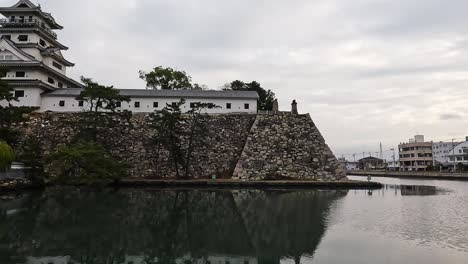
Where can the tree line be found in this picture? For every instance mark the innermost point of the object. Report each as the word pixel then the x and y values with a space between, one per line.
pixel 86 159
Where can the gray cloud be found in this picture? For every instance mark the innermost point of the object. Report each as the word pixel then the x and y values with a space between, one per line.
pixel 367 70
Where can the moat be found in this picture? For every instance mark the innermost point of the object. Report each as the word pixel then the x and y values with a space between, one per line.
pixel 408 221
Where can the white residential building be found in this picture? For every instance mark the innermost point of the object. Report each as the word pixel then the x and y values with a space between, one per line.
pixel 459 154
pixel 37 70
pixel 441 150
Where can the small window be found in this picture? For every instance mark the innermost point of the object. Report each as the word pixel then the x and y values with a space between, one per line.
pixel 62 103
pixel 7 37
pixel 228 106
pixel 50 80
pixel 60 85
pixel 56 65
pixel 137 104
pixel 42 43
pixel 19 94
pixel 23 38
pixel 20 74
pixel 12 18
pixel 246 106
pixel 155 104
pixel 80 103
pixel 118 104
pixel 210 105
pixel 30 18
pixel 174 104
pixel 193 105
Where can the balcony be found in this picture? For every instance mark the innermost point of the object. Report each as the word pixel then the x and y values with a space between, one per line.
pixel 26 22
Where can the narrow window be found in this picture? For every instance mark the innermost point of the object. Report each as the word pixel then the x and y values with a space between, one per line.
pixel 118 104
pixel 30 18
pixel 62 103
pixel 19 94
pixel 60 85
pixel 42 43
pixel 50 80
pixel 23 38
pixel 80 103
pixel 155 104
pixel 228 106
pixel 12 18
pixel 7 37
pixel 20 74
pixel 246 106
pixel 137 104
pixel 56 65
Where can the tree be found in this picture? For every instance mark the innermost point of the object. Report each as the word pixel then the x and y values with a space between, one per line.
pixel 168 125
pixel 180 134
pixel 166 79
pixel 197 132
pixel 266 97
pixel 7 156
pixel 84 163
pixel 102 108
pixel 9 114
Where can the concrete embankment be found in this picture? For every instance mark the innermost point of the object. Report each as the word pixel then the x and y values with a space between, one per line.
pixel 412 174
pixel 347 184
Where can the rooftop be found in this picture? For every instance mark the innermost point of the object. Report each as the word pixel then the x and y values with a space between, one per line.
pixel 73 92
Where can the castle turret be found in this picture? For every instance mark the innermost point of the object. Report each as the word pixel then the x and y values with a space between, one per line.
pixel 31 53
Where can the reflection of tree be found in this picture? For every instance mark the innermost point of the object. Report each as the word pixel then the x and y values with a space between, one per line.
pixel 106 226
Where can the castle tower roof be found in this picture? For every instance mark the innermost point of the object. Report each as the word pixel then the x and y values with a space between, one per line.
pixel 26 6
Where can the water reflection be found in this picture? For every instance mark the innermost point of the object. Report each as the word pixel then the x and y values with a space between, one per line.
pixel 154 226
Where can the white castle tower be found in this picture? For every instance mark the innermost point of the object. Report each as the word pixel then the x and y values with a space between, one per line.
pixel 31 53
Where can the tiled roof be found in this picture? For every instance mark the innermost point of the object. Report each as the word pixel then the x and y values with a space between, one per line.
pixel 167 93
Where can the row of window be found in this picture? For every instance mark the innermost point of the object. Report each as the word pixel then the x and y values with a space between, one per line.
pixel 137 104
pixel 20 74
pixel 412 155
pixel 24 38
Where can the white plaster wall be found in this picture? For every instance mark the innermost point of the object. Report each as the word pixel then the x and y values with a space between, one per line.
pixel 32 97
pixel 50 103
pixel 49 62
pixel 32 38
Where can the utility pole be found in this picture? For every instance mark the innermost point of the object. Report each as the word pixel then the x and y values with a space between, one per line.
pixel 381 154
pixel 354 157
pixel 454 159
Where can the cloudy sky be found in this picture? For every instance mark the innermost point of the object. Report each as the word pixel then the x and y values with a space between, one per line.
pixel 368 71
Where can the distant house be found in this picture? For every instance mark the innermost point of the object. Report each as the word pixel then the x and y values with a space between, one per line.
pixel 371 163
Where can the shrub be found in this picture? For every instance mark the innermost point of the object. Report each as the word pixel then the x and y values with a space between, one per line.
pixel 7 156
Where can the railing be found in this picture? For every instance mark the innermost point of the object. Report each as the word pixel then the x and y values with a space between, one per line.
pixel 26 22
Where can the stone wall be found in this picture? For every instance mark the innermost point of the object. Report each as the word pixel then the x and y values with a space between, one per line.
pixel 247 146
pixel 287 146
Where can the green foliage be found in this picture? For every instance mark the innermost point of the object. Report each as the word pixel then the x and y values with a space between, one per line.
pixel 167 79
pixel 9 114
pixel 84 163
pixel 169 124
pixel 102 109
pixel 31 155
pixel 100 98
pixel 267 97
pixel 7 156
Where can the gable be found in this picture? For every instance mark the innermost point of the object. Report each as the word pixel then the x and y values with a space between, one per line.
pixel 8 48
pixel 24 4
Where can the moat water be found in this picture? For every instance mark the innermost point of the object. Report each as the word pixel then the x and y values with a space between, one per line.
pixel 408 221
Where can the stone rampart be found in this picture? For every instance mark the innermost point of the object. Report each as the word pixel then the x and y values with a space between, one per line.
pixel 247 146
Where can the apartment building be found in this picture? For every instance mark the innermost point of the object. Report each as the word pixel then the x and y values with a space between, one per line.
pixel 416 154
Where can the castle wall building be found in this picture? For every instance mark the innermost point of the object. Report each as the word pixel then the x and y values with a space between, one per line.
pixel 37 70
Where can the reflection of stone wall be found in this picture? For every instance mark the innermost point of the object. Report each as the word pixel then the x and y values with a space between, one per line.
pixel 290 146
pixel 167 225
pixel 262 146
